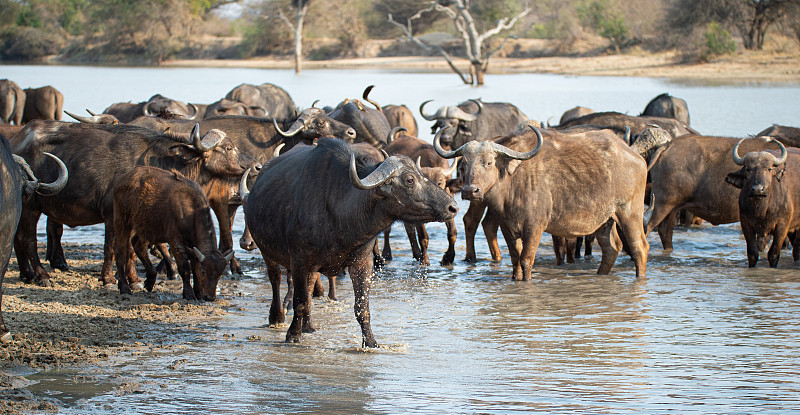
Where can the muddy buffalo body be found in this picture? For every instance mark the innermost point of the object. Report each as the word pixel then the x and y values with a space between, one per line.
pixel 435 169
pixel 17 182
pixel 769 200
pixel 96 156
pixel 667 106
pixel 319 209
pixel 690 174
pixel 158 206
pixel 566 185
pixel 45 103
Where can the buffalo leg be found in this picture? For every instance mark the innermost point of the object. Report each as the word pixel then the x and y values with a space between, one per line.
pixel 277 314
pixel 123 248
pixel 288 298
pixel 55 251
pixel 666 228
pixel 795 238
pixel 332 288
pixel 423 237
pixel 318 290
pixel 450 255
pixel 224 220
pixel 633 239
pixel 236 268
pixel 588 240
pixel 778 236
pixel 559 248
pixel 411 232
pixel 167 263
pixel 490 224
pixel 387 248
pixel 610 246
pixel 301 301
pixel 361 275
pixel 31 270
pixel 752 245
pixel 530 243
pixel 472 218
pixel 150 272
pixel 107 272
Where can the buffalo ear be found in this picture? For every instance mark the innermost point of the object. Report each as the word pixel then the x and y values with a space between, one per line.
pixel 736 178
pixel 185 152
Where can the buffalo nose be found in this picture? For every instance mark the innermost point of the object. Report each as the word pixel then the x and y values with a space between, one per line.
pixel 469 191
pixel 350 133
pixel 757 190
pixel 453 208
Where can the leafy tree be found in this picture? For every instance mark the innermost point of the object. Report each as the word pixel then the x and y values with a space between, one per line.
pixel 718 40
pixel 604 17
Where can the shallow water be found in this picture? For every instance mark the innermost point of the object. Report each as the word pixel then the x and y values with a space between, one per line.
pixel 701 334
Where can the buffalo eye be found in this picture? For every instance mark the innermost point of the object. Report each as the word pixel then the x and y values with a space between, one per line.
pixel 410 180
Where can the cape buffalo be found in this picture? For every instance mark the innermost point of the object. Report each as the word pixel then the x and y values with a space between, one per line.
pixel 164 207
pixel 690 174
pixel 274 99
pixel 667 106
pixel 12 102
pixel 401 116
pixel 127 112
pixel 567 185
pixel 43 103
pixel 320 208
pixel 229 107
pixel 473 120
pixel 573 113
pixel 370 124
pixel 16 183
pixel 789 136
pixel 769 200
pixel 637 124
pixel 96 157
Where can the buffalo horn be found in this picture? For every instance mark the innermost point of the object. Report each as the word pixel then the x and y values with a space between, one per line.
pixel 428 117
pixel 365 95
pixel 377 177
pixel 90 112
pixel 516 154
pixel 195 110
pixel 394 131
pixel 314 104
pixel 438 146
pixel 295 128
pixel 449 173
pixel 243 191
pixel 45 189
pixel 228 255
pixel 146 109
pixel 198 254
pixel 627 137
pixel 277 151
pixel 780 160
pixel 198 143
pixel 85 120
pixel 419 164
pixel 736 159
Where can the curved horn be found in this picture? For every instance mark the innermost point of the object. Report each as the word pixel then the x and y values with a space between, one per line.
pixel 458 113
pixel 385 154
pixel 146 109
pixel 784 154
pixel 277 151
pixel 736 159
pixel 419 164
pixel 519 155
pixel 243 190
pixel 294 129
pixel 90 112
pixel 453 167
pixel 198 143
pixel 49 189
pixel 627 137
pixel 394 131
pixel 479 104
pixel 365 95
pixel 314 104
pixel 376 178
pixel 195 111
pixel 228 255
pixel 442 152
pixel 428 117
pixel 198 254
pixel 85 120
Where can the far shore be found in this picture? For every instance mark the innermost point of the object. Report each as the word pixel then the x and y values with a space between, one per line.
pixel 740 67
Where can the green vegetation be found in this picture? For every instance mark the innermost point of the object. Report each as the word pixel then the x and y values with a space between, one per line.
pixel 148 31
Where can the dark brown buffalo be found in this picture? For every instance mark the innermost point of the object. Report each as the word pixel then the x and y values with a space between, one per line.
pixel 529 192
pixel 769 200
pixel 435 169
pixel 96 156
pixel 473 120
pixel 370 124
pixel 320 209
pixel 165 207
pixel 17 182
pixel 573 113
pixel 274 99
pixel 667 106
pixel 690 174
pixel 43 103
pixel 637 124
pixel 12 102
pixel 401 116
pixel 127 112
pixel 229 107
pixel 789 136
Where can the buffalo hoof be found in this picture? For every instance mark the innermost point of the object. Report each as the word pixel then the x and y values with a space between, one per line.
pixel 125 290
pixel 277 318
pixel 470 258
pixel 371 343
pixel 236 269
pixel 149 283
pixel 59 265
pixel 448 259
pixel 6 338
pixel 44 282
pixel 309 329
pixel 292 338
pixel 387 257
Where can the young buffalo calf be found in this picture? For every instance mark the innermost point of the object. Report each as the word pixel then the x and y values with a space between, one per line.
pixel 164 207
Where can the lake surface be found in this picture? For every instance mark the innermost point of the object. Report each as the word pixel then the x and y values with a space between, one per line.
pixel 701 334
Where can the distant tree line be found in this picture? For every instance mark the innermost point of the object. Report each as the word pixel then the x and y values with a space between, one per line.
pixel 153 30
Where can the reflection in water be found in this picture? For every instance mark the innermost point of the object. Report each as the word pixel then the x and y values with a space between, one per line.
pixel 701 334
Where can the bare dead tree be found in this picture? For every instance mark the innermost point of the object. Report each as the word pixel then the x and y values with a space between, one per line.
pixel 301 8
pixel 458 12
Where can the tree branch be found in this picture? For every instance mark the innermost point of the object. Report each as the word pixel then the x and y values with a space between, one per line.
pixel 503 24
pixel 286 20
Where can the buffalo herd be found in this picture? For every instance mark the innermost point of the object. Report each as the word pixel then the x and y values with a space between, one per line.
pixel 319 185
